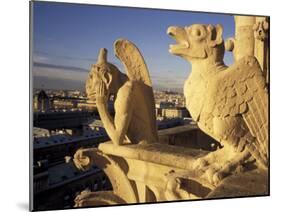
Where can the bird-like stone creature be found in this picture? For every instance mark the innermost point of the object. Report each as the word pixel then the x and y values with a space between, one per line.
pixel 228 103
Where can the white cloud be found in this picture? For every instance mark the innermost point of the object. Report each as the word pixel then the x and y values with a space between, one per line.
pixel 40 58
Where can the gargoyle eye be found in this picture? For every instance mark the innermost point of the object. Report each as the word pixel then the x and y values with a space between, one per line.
pixel 196 32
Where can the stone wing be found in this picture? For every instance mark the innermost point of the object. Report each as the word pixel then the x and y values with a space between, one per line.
pixel 242 91
pixel 133 61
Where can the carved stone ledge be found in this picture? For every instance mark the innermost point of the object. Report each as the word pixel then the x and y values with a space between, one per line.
pixel 160 172
pixel 164 173
pixel 167 155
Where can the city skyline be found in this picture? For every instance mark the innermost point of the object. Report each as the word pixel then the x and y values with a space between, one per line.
pixel 67 38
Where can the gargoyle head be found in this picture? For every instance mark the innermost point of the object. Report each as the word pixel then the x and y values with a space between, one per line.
pixel 197 41
pixel 101 72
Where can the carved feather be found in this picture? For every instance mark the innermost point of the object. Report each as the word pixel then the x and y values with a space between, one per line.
pixel 244 89
pixel 133 61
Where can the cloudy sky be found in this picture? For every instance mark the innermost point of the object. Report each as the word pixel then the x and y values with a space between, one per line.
pixel 67 38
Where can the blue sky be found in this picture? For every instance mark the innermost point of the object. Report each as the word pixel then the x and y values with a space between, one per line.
pixel 67 38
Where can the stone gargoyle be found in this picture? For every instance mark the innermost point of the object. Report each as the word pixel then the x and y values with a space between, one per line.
pixel 135 119
pixel 229 103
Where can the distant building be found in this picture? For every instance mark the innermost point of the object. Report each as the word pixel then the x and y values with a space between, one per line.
pixel 175 112
pixel 168 109
pixel 165 105
pixel 56 183
pixel 42 102
pixel 87 105
pixel 57 187
pixel 169 123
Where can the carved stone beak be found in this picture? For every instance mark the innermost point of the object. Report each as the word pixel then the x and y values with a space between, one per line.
pixel 179 34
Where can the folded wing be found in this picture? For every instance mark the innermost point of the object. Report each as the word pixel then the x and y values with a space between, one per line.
pixel 242 91
pixel 133 61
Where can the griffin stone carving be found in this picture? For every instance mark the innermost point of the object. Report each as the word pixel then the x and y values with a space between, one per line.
pixel 229 103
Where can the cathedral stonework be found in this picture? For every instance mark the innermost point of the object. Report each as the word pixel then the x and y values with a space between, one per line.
pixel 228 103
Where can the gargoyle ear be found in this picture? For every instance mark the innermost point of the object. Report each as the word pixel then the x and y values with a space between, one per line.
pixel 215 35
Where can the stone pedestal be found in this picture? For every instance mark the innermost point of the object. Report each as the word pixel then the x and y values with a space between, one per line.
pixel 158 172
pixel 152 168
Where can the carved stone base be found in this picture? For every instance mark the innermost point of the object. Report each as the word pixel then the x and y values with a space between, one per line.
pixel 158 172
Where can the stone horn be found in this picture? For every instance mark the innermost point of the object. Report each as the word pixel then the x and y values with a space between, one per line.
pixel 102 58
